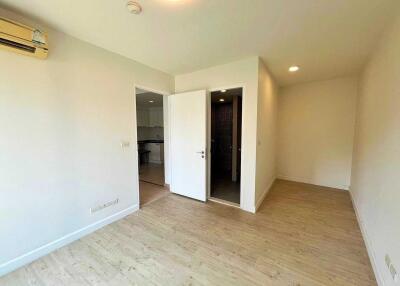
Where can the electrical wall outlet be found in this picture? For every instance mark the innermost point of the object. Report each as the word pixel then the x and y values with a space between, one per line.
pixel 393 272
pixel 392 269
pixel 103 206
pixel 387 261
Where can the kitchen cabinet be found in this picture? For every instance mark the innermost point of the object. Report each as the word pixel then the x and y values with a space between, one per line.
pixel 142 118
pixel 150 117
pixel 156 117
pixel 156 152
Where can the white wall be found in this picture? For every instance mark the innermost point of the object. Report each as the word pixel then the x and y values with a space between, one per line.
pixel 267 109
pixel 375 184
pixel 241 73
pixel 316 131
pixel 62 121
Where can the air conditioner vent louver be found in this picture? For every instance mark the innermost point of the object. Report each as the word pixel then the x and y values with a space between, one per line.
pixel 17 45
pixel 22 39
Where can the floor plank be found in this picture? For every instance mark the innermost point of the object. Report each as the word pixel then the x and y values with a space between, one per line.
pixel 302 235
pixel 149 192
pixel 152 173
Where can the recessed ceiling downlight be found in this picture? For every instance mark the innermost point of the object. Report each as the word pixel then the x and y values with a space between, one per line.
pixel 221 100
pixel 294 68
pixel 134 7
pixel 151 101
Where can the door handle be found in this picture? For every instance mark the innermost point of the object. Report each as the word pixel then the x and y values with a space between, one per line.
pixel 200 152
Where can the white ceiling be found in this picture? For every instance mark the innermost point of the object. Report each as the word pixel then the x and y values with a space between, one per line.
pixel 327 38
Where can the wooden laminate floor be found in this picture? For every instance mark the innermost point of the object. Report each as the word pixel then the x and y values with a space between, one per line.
pixel 302 235
pixel 149 192
pixel 152 173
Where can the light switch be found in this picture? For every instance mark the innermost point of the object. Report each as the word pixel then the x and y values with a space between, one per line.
pixel 125 144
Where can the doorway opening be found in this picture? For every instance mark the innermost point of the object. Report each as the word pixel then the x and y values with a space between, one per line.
pixel 226 138
pixel 150 143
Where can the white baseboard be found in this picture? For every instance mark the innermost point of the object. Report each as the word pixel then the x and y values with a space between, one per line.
pixel 368 244
pixel 306 181
pixel 26 258
pixel 262 197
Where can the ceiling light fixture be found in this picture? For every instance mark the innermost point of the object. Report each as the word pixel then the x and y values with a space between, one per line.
pixel 223 90
pixel 134 7
pixel 221 100
pixel 294 68
pixel 151 101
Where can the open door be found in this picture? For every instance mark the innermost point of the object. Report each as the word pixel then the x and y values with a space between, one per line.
pixel 188 141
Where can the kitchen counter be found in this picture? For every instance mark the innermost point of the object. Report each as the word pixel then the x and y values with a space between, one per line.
pixel 150 141
pixel 151 151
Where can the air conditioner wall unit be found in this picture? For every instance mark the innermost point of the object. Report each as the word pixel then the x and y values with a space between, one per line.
pixel 22 39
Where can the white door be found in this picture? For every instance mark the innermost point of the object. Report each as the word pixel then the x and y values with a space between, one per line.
pixel 188 119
